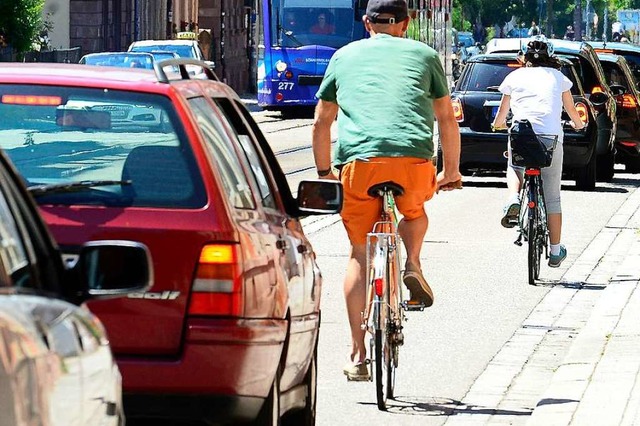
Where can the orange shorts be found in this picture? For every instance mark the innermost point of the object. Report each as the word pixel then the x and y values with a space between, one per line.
pixel 360 211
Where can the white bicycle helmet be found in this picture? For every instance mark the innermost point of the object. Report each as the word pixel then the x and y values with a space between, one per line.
pixel 538 45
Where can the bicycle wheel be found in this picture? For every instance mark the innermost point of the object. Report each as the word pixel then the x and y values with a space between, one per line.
pixel 534 234
pixel 382 346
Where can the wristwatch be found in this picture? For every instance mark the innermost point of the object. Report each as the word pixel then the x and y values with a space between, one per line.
pixel 323 173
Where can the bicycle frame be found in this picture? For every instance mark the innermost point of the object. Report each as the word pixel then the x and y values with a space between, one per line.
pixel 532 222
pixel 383 314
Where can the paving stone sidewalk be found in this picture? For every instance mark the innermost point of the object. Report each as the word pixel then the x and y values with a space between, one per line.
pixel 576 359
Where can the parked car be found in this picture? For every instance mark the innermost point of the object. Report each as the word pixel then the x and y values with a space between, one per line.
pixel 620 79
pixel 596 90
pixel 630 51
pixel 56 366
pixel 229 331
pixel 476 100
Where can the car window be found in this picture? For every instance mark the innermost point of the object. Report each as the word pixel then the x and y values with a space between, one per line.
pixel 634 63
pixel 58 136
pixel 250 151
pixel 569 72
pixel 232 175
pixel 488 74
pixel 613 73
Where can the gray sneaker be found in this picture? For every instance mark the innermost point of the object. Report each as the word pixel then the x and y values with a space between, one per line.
pixel 510 217
pixel 555 261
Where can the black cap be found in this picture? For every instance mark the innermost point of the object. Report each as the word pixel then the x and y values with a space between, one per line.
pixel 397 8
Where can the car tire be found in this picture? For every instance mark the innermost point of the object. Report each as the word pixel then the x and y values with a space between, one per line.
pixel 605 167
pixel 586 176
pixel 269 414
pixel 307 415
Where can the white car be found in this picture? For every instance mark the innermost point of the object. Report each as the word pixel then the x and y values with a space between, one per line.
pixel 186 46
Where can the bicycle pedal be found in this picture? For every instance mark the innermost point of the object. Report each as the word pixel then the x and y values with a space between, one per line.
pixel 413 305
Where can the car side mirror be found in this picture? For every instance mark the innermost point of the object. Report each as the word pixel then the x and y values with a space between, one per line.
pixel 113 268
pixel 618 89
pixel 319 197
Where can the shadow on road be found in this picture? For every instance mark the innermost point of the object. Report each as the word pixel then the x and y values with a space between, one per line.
pixel 444 407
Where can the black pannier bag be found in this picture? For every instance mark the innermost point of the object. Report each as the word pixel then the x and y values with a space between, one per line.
pixel 529 149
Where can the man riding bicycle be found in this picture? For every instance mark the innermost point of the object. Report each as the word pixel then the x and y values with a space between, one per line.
pixel 385 91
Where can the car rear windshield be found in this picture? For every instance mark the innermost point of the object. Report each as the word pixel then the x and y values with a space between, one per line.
pixel 487 76
pixel 98 147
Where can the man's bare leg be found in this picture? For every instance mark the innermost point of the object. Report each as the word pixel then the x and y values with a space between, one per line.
pixel 355 296
pixel 412 233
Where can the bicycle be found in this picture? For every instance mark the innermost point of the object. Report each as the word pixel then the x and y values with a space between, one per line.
pixel 384 312
pixel 533 152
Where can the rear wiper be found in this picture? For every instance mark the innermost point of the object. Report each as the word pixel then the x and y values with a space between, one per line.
pixel 493 88
pixel 38 190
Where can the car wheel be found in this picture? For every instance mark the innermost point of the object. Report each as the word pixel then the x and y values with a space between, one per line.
pixel 605 167
pixel 307 415
pixel 586 176
pixel 270 412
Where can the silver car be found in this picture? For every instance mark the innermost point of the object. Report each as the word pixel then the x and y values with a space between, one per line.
pixel 56 366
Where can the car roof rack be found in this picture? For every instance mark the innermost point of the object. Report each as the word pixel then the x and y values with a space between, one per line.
pixel 181 64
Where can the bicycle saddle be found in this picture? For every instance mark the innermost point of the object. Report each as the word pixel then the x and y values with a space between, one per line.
pixel 378 188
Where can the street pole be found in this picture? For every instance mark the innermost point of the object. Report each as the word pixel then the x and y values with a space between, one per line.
pixel 605 24
pixel 588 23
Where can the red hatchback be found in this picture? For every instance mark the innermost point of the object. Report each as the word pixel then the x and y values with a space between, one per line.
pixel 228 332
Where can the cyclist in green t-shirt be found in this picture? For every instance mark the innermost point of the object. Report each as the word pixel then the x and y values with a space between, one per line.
pixel 386 92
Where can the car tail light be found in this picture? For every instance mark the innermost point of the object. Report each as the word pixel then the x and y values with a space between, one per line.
pixel 583 112
pixel 288 74
pixel 627 101
pixel 597 89
pixel 457 109
pixel 217 288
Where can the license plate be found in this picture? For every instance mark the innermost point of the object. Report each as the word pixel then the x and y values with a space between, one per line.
pixel 494 111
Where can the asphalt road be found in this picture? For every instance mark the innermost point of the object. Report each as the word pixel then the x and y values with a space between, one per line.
pixel 478 276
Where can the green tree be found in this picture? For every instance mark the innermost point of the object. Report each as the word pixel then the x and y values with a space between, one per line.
pixel 20 22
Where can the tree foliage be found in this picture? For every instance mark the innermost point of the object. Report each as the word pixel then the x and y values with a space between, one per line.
pixel 492 12
pixel 20 22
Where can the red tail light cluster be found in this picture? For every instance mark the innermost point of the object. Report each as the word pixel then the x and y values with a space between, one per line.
pixel 626 101
pixel 457 109
pixel 583 111
pixel 217 288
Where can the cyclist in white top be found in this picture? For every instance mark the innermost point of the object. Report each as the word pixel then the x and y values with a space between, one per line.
pixel 541 103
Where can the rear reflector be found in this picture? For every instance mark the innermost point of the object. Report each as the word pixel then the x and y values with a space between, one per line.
pixel 217 287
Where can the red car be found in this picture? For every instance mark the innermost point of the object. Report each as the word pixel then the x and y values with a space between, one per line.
pixel 228 332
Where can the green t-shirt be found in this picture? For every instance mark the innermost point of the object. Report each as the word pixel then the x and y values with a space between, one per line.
pixel 385 88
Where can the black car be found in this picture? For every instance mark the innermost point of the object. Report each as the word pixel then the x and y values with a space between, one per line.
pixel 476 100
pixel 622 82
pixel 596 89
pixel 56 365
pixel 630 51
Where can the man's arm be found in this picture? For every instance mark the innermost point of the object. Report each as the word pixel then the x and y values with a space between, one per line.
pixel 325 115
pixel 449 141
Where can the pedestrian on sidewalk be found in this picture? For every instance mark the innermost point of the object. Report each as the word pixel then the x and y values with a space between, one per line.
pixel 385 134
